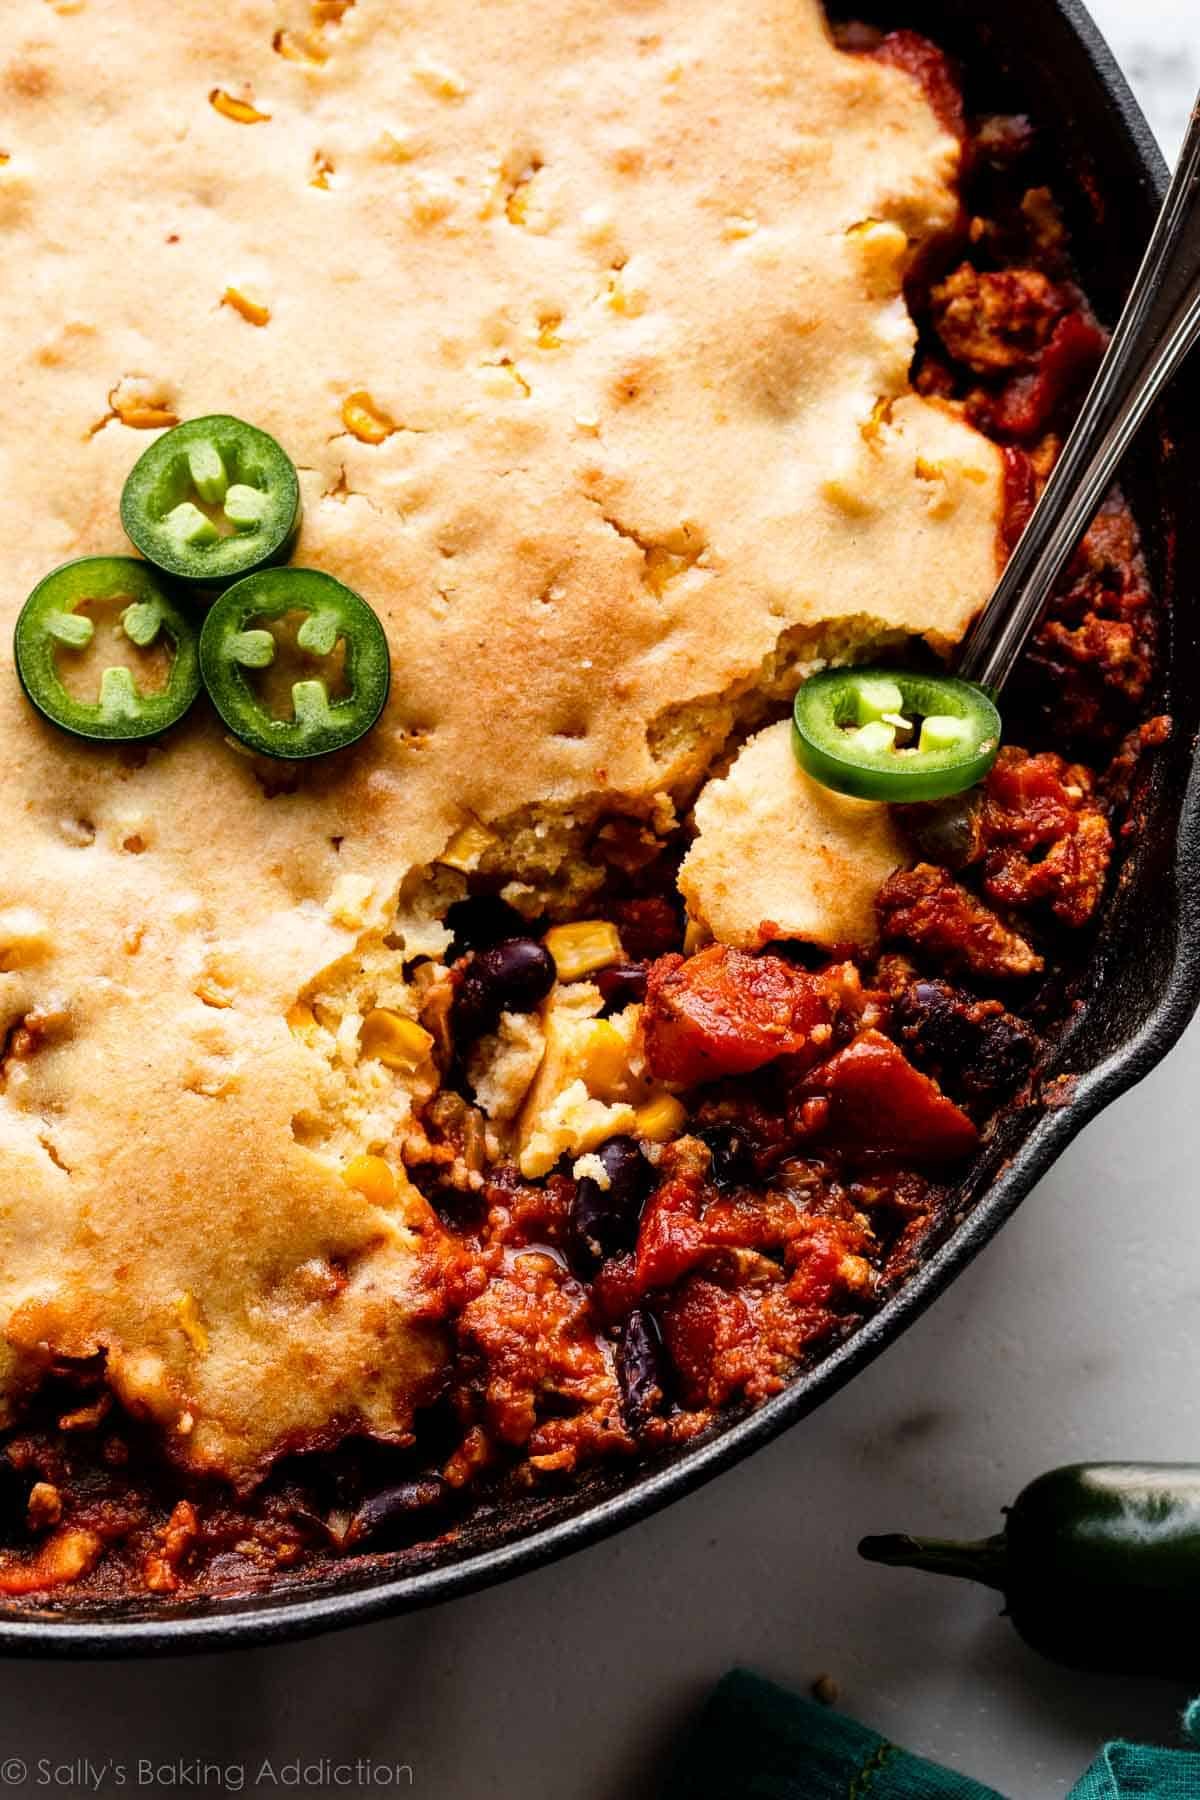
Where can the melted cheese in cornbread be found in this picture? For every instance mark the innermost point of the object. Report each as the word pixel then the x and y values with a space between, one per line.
pixel 583 324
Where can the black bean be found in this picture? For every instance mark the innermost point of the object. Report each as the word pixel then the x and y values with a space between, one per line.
pixel 480 920
pixel 1004 1056
pixel 933 1020
pixel 604 1220
pixel 520 970
pixel 731 1154
pixel 622 985
pixel 641 1369
pixel 975 1054
pixel 512 976
pixel 947 832
pixel 394 1509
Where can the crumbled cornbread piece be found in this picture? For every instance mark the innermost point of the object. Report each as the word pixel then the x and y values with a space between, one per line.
pixel 779 856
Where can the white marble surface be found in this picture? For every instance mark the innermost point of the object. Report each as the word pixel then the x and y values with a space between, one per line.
pixel 1075 1335
pixel 1157 43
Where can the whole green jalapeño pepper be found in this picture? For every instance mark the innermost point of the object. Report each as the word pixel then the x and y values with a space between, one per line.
pixel 54 625
pixel 211 501
pixel 236 642
pixel 1099 1564
pixel 894 735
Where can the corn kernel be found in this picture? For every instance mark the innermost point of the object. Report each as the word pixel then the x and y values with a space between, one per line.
pixel 883 247
pixel 240 111
pixel 371 1177
pixel 516 206
pixel 348 904
pixel 393 1040
pixel 143 415
pixel 395 146
pixel 662 566
pixel 299 47
pixel 660 1119
pixel 191 1322
pixel 212 993
pixel 322 169
pixel 366 421
pixel 301 1016
pixel 24 938
pixel 502 380
pixel 439 81
pixel 625 297
pixel 603 1060
pixel 548 338
pixel 252 311
pixel 879 416
pixel 330 12
pixel 582 948
pixel 468 847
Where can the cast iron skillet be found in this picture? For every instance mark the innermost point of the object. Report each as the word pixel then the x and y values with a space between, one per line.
pixel 1142 985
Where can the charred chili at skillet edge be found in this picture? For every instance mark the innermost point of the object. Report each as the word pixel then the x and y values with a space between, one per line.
pixel 894 735
pixel 236 641
pixel 213 500
pixel 52 624
pixel 1099 1565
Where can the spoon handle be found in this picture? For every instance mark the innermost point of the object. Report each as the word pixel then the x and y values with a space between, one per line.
pixel 1160 324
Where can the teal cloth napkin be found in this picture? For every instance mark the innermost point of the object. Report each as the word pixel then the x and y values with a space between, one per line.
pixel 756 1741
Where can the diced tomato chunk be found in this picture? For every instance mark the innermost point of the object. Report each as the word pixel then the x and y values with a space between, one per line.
pixel 1027 404
pixel 928 65
pixel 710 1337
pixel 671 1236
pixel 879 1102
pixel 724 1012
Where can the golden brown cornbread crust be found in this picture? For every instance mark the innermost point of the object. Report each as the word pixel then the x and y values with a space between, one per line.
pixel 601 267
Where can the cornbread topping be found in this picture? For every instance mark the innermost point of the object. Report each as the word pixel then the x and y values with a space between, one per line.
pixel 516 1085
pixel 589 344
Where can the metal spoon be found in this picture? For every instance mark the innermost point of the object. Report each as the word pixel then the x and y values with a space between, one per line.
pixel 1160 324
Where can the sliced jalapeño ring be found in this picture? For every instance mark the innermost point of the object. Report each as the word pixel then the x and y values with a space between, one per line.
pixel 236 643
pixel 894 734
pixel 212 501
pixel 54 624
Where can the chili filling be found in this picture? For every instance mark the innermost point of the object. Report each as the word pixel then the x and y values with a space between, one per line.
pixel 211 501
pixel 54 625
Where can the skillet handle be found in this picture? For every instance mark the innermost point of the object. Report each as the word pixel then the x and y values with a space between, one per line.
pixel 1159 326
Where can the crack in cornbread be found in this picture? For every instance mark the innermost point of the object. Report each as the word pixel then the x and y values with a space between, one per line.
pixel 541 305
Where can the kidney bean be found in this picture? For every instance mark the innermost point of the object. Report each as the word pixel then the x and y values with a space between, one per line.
pixel 641 1369
pixel 622 985
pixel 393 1508
pixel 604 1220
pixel 512 976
